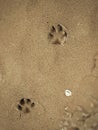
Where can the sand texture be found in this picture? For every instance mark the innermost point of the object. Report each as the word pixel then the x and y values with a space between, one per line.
pixel 47 47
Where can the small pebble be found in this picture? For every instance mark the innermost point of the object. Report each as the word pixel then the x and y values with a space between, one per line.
pixel 68 93
pixel 66 108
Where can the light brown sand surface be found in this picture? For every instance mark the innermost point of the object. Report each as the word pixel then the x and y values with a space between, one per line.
pixel 34 68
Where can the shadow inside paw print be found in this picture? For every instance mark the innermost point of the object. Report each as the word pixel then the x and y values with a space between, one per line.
pixel 25 105
pixel 58 34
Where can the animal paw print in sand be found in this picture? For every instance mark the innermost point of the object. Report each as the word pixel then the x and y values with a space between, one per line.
pixel 58 34
pixel 25 105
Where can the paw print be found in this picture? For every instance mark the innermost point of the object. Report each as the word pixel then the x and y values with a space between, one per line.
pixel 25 105
pixel 58 34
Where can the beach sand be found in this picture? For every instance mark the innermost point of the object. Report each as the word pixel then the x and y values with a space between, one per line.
pixel 36 69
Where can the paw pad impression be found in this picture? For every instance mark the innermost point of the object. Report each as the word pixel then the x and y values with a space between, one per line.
pixel 25 105
pixel 58 34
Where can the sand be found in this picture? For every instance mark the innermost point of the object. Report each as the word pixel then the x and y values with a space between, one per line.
pixel 39 61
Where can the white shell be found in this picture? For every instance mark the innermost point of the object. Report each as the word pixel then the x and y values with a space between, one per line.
pixel 68 93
